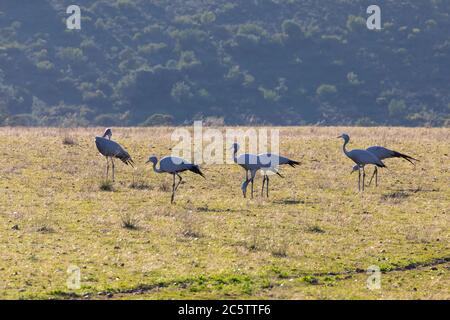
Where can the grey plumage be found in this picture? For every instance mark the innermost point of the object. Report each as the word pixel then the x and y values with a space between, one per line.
pixel 270 164
pixel 361 158
pixel 174 166
pixel 265 162
pixel 111 150
pixel 385 153
pixel 249 162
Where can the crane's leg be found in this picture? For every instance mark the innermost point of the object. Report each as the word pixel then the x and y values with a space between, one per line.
pixel 359 179
pixel 252 186
pixel 373 175
pixel 107 168
pixel 376 177
pixel 244 190
pixel 262 189
pixel 173 189
pixel 363 179
pixel 179 182
pixel 267 186
pixel 113 169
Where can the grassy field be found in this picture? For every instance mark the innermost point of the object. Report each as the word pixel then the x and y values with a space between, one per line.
pixel 313 238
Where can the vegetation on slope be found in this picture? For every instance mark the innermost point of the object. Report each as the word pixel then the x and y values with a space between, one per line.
pixel 151 62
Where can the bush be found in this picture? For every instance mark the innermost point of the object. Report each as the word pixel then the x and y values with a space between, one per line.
pixel 396 107
pixel 269 95
pixel 45 65
pixel 326 90
pixel 158 120
pixel 18 120
pixel 355 23
pixel 152 48
pixel 181 91
pixel 106 185
pixel 108 120
pixel 71 54
pixel 252 29
pixel 292 29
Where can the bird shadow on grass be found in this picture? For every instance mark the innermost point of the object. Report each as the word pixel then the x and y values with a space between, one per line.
pixel 395 196
pixel 402 194
pixel 140 185
pixel 216 210
pixel 289 202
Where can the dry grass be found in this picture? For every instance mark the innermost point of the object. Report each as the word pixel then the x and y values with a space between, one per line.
pixel 212 243
pixel 69 141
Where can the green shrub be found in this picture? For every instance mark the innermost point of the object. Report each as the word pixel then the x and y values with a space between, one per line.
pixel 45 65
pixel 181 91
pixel 396 107
pixel 158 120
pixel 326 90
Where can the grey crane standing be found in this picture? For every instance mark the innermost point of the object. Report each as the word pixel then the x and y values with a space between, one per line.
pixel 174 166
pixel 249 162
pixel 110 150
pixel 361 158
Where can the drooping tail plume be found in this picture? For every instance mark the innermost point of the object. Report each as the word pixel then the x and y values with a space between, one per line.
pixel 293 163
pixel 406 157
pixel 197 170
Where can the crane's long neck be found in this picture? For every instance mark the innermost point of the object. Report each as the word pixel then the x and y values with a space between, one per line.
pixel 235 156
pixel 344 147
pixel 157 170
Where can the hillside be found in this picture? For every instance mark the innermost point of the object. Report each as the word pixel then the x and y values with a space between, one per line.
pixel 283 62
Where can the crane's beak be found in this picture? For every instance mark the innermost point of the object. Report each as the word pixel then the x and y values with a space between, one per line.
pixel 339 137
pixel 148 161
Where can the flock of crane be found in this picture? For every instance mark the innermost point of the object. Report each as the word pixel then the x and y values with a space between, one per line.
pixel 266 163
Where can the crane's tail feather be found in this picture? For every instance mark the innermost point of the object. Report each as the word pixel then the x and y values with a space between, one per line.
pixel 406 157
pixel 293 163
pixel 127 160
pixel 382 165
pixel 196 169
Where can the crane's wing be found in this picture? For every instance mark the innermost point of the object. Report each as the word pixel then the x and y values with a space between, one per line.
pixel 109 148
pixel 273 160
pixel 384 153
pixel 364 157
pixel 175 164
pixel 248 161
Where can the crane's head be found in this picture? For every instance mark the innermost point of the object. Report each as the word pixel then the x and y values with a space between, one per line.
pixel 244 188
pixel 235 147
pixel 345 137
pixel 355 168
pixel 153 160
pixel 108 133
